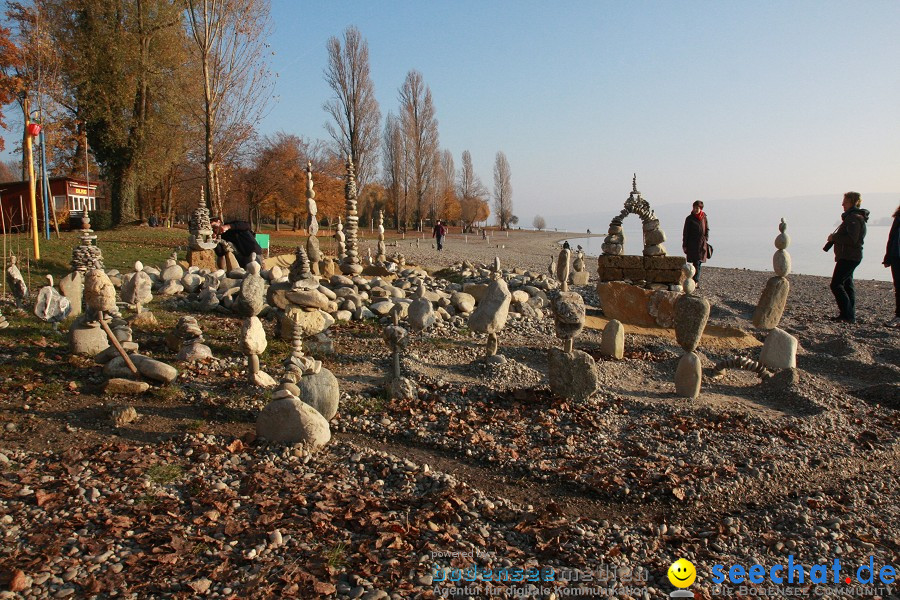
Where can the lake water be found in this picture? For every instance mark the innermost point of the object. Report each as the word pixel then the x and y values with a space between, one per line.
pixel 752 248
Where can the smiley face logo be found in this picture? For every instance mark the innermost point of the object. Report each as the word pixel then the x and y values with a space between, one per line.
pixel 682 573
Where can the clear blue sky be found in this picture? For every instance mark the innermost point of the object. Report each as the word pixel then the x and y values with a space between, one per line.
pixel 703 99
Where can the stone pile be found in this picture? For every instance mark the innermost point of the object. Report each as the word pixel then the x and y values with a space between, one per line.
pixel 580 275
pixel 397 338
pixel 312 223
pixel 779 349
pixel 289 420
pixel 341 240
pixel 380 254
pixel 187 339
pixel 137 290
pixel 350 265
pixel 201 243
pixel 17 286
pixel 691 315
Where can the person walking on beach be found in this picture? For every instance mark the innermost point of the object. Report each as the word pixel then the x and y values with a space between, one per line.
pixel 438 233
pixel 695 237
pixel 892 260
pixel 848 252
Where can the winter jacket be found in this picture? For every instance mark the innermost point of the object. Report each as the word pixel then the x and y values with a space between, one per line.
pixel 244 241
pixel 694 238
pixel 892 253
pixel 848 239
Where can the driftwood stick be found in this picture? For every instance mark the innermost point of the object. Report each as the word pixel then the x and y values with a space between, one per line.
pixel 116 344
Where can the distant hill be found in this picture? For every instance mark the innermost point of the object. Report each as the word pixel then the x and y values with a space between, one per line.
pixel 819 211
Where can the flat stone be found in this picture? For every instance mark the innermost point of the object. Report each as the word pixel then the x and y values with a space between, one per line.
pixel 688 375
pixel 779 350
pixel 154 369
pixel 118 385
pixel 194 353
pixel 626 303
pixel 572 376
pixel 691 314
pixel 308 298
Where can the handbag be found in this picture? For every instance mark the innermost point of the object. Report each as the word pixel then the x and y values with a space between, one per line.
pixel 709 250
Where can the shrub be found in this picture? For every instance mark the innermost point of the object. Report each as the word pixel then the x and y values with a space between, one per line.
pixel 101 220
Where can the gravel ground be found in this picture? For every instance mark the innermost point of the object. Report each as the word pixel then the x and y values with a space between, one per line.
pixel 485 462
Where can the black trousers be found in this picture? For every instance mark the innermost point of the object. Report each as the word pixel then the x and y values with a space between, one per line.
pixel 842 287
pixel 895 273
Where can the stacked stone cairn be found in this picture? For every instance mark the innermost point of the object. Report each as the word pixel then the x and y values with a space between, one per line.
pixel 201 243
pixel 51 306
pixel 492 311
pixel 691 315
pixel 312 223
pixel 381 252
pixel 572 373
pixel 187 339
pixel 289 420
pixel 16 283
pixel 172 275
pixel 779 349
pixel 397 338
pixel 341 239
pixel 350 265
pixel 250 302
pixel 580 275
pixel 137 290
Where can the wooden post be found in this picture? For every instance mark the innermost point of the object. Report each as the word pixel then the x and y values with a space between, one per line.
pixel 29 161
pixel 116 344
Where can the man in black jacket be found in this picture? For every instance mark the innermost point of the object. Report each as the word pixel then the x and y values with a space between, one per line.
pixel 241 237
pixel 848 253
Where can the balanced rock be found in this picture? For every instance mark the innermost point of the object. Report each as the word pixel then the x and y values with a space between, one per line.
pixel 421 314
pixel 568 313
pixel 252 296
pixel 772 302
pixel 72 287
pixel 492 311
pixel 137 289
pixel 691 314
pixel 289 420
pixel 253 337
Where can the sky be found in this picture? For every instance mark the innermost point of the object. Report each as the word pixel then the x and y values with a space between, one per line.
pixel 703 100
pixel 712 100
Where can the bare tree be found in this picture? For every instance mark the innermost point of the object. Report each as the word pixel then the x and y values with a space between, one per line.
pixel 394 167
pixel 471 192
pixel 443 192
pixel 539 223
pixel 502 190
pixel 230 44
pixel 420 130
pixel 355 111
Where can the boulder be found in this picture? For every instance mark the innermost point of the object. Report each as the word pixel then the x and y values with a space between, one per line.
pixel 291 421
pixel 72 287
pixel 312 322
pixel 87 339
pixel 779 350
pixel 321 391
pixel 626 303
pixel 463 302
pixel 421 314
pixel 252 296
pixel 572 376
pixel 612 343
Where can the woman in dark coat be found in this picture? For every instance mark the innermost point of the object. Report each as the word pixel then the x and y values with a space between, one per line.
pixel 695 237
pixel 892 260
pixel 848 252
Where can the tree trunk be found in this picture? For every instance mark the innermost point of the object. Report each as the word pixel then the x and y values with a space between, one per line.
pixel 123 189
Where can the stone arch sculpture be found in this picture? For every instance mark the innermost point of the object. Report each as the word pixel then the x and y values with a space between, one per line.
pixel 654 236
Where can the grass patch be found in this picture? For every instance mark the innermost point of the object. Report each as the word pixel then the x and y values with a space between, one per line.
pixel 168 393
pixel 359 405
pixel 193 425
pixel 163 474
pixel 148 500
pixel 336 556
